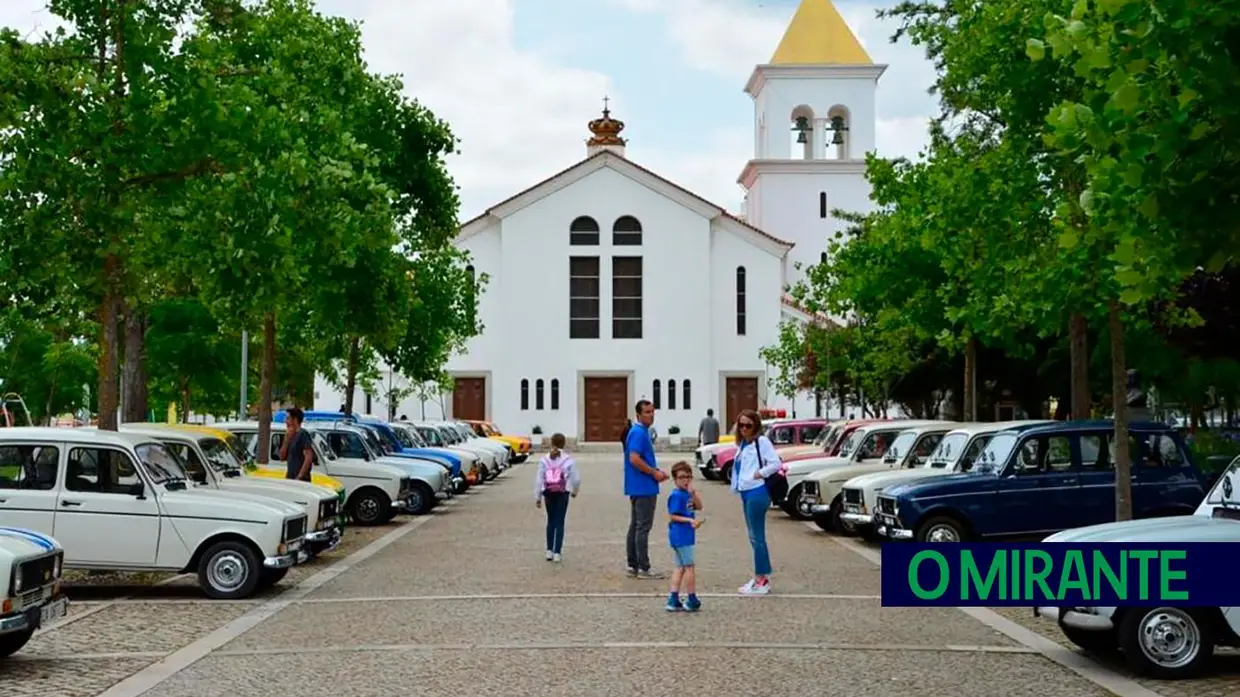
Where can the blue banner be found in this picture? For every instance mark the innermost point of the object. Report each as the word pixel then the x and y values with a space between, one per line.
pixel 1061 574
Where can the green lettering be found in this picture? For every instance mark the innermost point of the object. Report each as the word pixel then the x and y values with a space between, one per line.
pixel 1166 575
pixel 1016 560
pixel 1073 576
pixel 972 576
pixel 1037 576
pixel 1102 567
pixel 944 575
pixel 1145 556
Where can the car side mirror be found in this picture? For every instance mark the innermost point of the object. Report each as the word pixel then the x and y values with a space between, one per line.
pixel 137 490
pixel 966 464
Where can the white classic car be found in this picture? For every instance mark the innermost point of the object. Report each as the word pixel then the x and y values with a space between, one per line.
pixel 954 453
pixel 32 563
pixel 374 493
pixel 212 464
pixel 1163 642
pixel 821 492
pixel 348 445
pixel 466 438
pixel 121 502
pixel 866 445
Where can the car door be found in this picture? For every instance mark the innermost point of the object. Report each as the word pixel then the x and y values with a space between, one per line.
pixel 1037 490
pixel 874 446
pixel 1096 502
pixel 28 474
pixel 1160 473
pixel 99 518
pixel 921 450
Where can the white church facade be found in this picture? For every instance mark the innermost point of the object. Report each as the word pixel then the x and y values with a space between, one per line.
pixel 609 283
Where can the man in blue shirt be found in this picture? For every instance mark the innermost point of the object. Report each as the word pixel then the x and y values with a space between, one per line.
pixel 641 485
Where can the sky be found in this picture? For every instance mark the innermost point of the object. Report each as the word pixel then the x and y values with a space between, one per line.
pixel 517 80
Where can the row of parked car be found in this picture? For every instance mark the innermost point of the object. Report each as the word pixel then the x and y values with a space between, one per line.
pixel 944 482
pixel 192 499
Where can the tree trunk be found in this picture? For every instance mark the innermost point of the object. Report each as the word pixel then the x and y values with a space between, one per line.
pixel 1119 396
pixel 136 400
pixel 108 345
pixel 350 369
pixel 970 380
pixel 185 403
pixel 266 378
pixel 1078 349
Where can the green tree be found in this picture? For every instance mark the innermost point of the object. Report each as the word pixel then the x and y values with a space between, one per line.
pixel 49 368
pixel 192 363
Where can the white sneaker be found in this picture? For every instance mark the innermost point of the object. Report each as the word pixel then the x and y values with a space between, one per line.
pixel 549 555
pixel 752 588
pixel 556 559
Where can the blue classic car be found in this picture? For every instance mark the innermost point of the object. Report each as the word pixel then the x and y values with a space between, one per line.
pixel 1038 481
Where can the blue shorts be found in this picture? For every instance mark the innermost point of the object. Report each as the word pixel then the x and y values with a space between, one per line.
pixel 683 555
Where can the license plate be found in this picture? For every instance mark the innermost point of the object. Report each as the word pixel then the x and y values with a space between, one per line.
pixel 852 508
pixel 53 611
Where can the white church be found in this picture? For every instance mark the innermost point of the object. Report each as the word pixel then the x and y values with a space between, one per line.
pixel 609 283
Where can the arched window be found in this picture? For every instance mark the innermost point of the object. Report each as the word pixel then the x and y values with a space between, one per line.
pixel 555 393
pixel 740 301
pixel 584 231
pixel 525 394
pixel 473 277
pixel 802 133
pixel 655 399
pixel 626 232
pixel 685 403
pixel 822 258
pixel 671 394
pixel 822 204
pixel 538 394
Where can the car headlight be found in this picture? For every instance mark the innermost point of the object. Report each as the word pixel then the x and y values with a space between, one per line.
pixel 58 568
pixel 17 581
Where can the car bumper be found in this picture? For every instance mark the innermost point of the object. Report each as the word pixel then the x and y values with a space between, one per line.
pixel 1075 618
pixel 857 518
pixel 324 540
pixel 53 609
pixel 292 557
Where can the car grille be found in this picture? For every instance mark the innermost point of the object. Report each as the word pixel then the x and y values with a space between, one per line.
pixel 810 488
pixel 887 505
pixel 35 573
pixel 295 529
pixel 852 496
pixel 406 485
pixel 327 509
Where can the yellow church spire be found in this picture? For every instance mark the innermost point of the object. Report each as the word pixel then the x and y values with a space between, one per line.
pixel 818 35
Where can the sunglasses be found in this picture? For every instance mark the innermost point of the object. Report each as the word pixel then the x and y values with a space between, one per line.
pixel 684 476
pixel 745 424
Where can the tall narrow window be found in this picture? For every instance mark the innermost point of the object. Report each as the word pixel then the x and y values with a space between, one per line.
pixel 626 232
pixel 657 399
pixel 555 393
pixel 740 301
pixel 822 204
pixel 583 290
pixel 822 258
pixel 686 403
pixel 626 298
pixel 525 394
pixel 473 276
pixel 671 394
pixel 368 403
pixel 538 394
pixel 584 232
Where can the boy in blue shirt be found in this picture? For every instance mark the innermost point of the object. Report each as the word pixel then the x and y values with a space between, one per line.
pixel 681 535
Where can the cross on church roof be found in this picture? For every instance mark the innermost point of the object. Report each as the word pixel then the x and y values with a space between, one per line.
pixel 606 105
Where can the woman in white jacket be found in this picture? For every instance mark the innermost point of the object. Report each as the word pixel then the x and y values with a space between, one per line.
pixel 755 461
pixel 556 481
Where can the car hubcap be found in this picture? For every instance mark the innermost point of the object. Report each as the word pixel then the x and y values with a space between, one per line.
pixel 368 509
pixel 227 571
pixel 942 533
pixel 1170 638
pixel 415 501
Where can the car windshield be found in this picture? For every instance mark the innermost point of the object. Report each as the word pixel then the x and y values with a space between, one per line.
pixel 161 463
pixel 239 450
pixel 851 442
pixel 901 445
pixel 1226 491
pixel 377 444
pixel 490 430
pixel 449 435
pixel 948 451
pixel 996 454
pixel 464 431
pixel 321 447
pixel 827 436
pixel 430 435
pixel 403 436
pixel 217 454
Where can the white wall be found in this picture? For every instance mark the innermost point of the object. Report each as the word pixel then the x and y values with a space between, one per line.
pixel 788 205
pixel 822 92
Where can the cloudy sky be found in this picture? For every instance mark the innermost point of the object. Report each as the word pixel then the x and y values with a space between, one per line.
pixel 518 80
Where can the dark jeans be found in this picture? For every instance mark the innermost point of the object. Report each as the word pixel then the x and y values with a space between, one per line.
pixel 641 519
pixel 556 503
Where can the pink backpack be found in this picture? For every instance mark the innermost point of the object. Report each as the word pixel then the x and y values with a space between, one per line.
pixel 554 478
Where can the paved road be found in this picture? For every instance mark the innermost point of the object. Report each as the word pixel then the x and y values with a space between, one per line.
pixel 462 602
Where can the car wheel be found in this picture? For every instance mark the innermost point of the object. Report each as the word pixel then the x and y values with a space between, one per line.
pixel 1167 642
pixel 840 525
pixel 789 504
pixel 1094 641
pixel 462 487
pixel 370 507
pixel 229 571
pixel 726 474
pixel 421 499
pixel 710 474
pixel 942 529
pixel 12 643
pixel 270 577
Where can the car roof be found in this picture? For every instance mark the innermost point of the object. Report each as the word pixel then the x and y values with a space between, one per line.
pixel 999 426
pixel 1091 425
pixel 52 434
pixel 160 432
pixel 922 428
pixel 905 424
pixel 201 429
pixel 247 425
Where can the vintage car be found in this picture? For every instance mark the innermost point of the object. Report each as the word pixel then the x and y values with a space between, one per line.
pixel 355 443
pixel 518 447
pixel 210 463
pixel 822 491
pixel 783 434
pixel 706 455
pixel 865 445
pixel 413 442
pixel 1164 642
pixel 488 458
pixel 466 437
pixel 1040 480
pixel 31 564
pixel 827 442
pixel 374 492
pixel 955 453
pixel 384 440
pixel 121 502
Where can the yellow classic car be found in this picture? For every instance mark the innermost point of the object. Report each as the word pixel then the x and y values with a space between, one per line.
pixel 519 445
pixel 252 469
